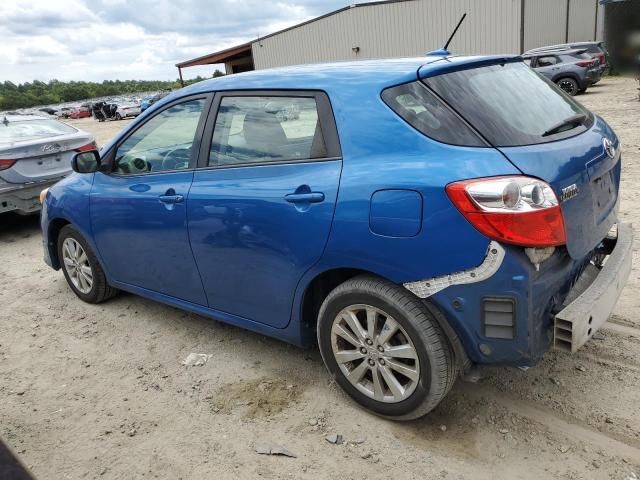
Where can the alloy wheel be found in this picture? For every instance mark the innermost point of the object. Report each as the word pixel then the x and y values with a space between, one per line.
pixel 77 266
pixel 375 353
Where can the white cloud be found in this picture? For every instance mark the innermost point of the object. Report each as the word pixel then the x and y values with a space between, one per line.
pixel 127 39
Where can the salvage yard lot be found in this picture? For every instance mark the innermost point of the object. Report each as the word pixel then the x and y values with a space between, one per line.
pixel 100 392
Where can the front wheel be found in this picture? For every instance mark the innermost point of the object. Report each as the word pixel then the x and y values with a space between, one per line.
pixel 118 116
pixel 569 85
pixel 385 348
pixel 81 268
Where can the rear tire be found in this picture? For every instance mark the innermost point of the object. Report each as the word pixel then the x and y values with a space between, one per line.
pixel 81 267
pixel 385 348
pixel 568 85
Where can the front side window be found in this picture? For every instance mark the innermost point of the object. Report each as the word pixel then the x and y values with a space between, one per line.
pixel 511 105
pixel 265 129
pixel 163 143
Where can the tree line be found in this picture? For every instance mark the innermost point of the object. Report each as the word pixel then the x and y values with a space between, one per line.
pixel 32 94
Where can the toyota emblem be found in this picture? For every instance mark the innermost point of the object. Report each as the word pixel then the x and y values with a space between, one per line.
pixel 608 147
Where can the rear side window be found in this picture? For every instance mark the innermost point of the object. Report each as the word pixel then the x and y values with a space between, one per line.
pixel 266 129
pixel 510 104
pixel 547 61
pixel 429 115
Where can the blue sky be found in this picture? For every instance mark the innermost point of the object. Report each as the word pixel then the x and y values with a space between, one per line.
pixel 133 39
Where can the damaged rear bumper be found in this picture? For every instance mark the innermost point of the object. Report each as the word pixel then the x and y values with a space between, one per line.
pixel 587 311
pixel 24 198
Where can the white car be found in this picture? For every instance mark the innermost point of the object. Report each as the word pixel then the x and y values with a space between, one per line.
pixel 125 110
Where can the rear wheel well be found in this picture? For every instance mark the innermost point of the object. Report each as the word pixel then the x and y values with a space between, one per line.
pixel 572 76
pixel 317 291
pixel 52 238
pixel 323 284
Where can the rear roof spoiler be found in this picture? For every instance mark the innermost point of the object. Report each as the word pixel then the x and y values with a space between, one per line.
pixel 444 65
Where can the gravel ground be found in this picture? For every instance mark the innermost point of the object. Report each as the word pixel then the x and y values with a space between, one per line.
pixel 99 391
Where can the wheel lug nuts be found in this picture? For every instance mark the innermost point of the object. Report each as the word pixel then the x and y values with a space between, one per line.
pixel 382 362
pixel 363 350
pixel 369 342
pixel 371 362
pixel 380 349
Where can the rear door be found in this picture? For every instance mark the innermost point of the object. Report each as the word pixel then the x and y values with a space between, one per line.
pixel 548 65
pixel 262 202
pixel 545 134
pixel 139 208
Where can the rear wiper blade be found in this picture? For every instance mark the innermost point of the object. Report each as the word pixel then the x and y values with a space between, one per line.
pixel 573 122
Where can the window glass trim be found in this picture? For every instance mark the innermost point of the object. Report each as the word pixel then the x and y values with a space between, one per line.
pixel 109 158
pixel 325 117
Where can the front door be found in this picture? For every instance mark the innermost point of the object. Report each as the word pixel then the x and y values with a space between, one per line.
pixel 262 202
pixel 139 210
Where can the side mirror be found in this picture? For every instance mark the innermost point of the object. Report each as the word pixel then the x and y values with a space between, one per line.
pixel 86 162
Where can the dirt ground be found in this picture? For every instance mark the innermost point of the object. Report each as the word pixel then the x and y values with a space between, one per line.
pixel 100 392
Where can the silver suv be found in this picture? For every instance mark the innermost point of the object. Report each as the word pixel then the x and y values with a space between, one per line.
pixel 35 153
pixel 596 50
pixel 572 70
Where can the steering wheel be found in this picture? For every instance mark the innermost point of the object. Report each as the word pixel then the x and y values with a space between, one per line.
pixel 176 159
pixel 133 165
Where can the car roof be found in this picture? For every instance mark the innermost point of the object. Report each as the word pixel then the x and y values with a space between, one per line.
pixel 562 46
pixel 567 51
pixel 341 75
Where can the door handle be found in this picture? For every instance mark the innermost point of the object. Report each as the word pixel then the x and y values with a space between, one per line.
pixel 171 199
pixel 310 197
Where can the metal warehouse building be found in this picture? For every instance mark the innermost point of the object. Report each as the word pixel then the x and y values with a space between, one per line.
pixel 397 28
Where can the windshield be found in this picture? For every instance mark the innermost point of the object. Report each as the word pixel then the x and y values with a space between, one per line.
pixel 26 130
pixel 510 104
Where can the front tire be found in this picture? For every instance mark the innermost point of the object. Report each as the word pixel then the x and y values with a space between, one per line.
pixel 118 116
pixel 385 348
pixel 568 85
pixel 81 267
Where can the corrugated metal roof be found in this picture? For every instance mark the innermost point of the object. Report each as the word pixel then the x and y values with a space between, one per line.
pixel 218 57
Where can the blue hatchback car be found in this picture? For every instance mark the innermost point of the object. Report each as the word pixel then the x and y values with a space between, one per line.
pixel 417 217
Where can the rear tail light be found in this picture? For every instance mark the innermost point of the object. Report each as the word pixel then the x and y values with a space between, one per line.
pixel 586 63
pixel 517 210
pixel 5 164
pixel 87 147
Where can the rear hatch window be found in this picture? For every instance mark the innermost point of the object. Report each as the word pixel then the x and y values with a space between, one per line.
pixel 26 130
pixel 511 105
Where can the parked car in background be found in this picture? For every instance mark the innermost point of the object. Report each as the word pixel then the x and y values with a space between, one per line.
pixel 596 50
pixel 48 110
pixel 35 152
pixel 419 217
pixel 572 70
pixel 127 109
pixel 148 101
pixel 80 112
pixel 64 112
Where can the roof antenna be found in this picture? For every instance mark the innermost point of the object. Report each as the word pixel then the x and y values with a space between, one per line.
pixel 443 52
pixel 5 121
